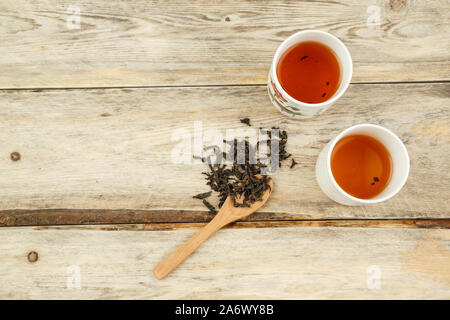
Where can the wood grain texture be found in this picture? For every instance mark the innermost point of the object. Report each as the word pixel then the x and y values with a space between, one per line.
pixel 146 43
pixel 111 150
pixel 280 263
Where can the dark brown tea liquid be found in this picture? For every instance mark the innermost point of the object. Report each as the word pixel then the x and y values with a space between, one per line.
pixel 361 166
pixel 309 72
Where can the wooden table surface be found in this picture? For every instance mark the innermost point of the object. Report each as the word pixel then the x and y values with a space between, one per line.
pixel 92 112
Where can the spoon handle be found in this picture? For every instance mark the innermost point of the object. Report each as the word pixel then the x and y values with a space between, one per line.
pixel 182 252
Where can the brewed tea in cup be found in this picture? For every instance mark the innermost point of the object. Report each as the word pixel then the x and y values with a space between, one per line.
pixel 363 164
pixel 310 71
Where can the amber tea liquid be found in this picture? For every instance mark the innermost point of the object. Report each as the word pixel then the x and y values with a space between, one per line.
pixel 309 72
pixel 361 166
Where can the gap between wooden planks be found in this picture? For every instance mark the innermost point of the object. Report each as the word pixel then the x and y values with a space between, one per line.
pixel 143 220
pixel 355 223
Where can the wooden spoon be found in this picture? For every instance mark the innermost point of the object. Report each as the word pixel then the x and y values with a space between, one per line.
pixel 227 214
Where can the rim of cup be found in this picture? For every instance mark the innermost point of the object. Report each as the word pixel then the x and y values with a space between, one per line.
pixel 334 97
pixel 372 200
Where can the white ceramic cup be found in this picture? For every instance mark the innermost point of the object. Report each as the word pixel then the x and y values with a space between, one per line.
pixel 295 108
pixel 399 162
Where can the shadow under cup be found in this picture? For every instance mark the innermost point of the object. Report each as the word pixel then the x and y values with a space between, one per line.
pixel 399 165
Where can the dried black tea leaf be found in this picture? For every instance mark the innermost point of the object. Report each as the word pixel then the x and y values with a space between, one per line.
pixel 293 163
pixel 242 179
pixel 202 195
pixel 246 121
pixel 209 206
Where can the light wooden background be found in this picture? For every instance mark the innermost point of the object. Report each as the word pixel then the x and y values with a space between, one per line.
pixel 92 112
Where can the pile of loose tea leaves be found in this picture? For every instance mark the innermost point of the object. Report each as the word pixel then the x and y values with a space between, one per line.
pixel 243 181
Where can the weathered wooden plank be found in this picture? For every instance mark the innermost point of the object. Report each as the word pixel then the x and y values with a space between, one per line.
pixel 111 150
pixel 281 263
pixel 143 43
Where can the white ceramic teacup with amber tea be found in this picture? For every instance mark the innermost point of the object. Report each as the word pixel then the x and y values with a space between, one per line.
pixel 363 164
pixel 310 71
